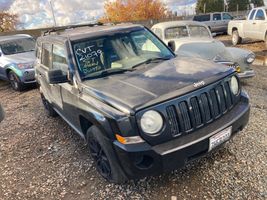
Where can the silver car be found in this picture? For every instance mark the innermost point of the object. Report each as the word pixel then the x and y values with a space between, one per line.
pixel 217 22
pixel 17 59
pixel 194 39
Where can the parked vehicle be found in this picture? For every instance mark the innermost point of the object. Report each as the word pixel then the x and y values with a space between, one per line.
pixel 2 113
pixel 16 60
pixel 217 22
pixel 195 40
pixel 141 109
pixel 254 27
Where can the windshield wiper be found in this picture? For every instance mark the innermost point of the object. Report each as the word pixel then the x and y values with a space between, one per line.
pixel 151 60
pixel 108 72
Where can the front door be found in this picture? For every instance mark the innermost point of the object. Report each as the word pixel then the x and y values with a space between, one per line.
pixel 260 22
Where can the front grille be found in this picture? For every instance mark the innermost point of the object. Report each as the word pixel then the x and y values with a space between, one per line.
pixel 201 109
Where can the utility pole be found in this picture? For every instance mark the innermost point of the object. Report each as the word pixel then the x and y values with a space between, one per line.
pixel 53 14
pixel 204 8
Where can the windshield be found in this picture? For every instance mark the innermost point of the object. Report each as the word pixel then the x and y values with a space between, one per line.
pixel 119 52
pixel 17 46
pixel 199 31
pixel 176 32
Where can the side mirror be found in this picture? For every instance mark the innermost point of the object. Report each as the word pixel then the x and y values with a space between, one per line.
pixel 2 113
pixel 171 45
pixel 213 34
pixel 57 76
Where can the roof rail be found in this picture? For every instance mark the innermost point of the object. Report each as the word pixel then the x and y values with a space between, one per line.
pixel 54 30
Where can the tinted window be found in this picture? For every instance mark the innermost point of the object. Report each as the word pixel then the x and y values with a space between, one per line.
pixel 59 58
pixel 217 17
pixel 226 16
pixel 17 46
pixel 201 18
pixel 251 17
pixel 176 32
pixel 47 55
pixel 118 52
pixel 260 15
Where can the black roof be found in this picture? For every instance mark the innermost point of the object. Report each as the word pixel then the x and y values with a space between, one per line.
pixel 81 32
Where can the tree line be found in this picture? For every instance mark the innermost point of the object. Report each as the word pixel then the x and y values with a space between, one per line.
pixel 220 6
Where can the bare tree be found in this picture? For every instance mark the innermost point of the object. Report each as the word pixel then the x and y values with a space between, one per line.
pixel 7 22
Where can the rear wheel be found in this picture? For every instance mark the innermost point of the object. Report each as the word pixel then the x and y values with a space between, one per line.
pixel 266 41
pixel 236 39
pixel 15 81
pixel 103 154
pixel 48 107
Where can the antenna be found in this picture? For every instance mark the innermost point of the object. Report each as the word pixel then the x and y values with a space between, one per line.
pixel 53 14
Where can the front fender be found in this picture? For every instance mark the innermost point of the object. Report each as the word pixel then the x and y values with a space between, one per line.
pixel 239 56
pixel 14 68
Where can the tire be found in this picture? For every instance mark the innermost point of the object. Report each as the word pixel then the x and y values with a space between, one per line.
pixel 15 82
pixel 48 107
pixel 266 41
pixel 104 156
pixel 236 39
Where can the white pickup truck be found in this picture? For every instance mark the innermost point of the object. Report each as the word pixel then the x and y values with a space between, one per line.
pixel 254 27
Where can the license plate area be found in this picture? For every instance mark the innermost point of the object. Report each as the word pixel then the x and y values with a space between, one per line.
pixel 220 138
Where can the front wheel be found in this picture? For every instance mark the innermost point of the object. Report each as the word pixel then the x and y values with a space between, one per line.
pixel 103 154
pixel 236 39
pixel 15 81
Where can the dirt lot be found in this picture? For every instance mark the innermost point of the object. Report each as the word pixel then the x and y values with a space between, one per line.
pixel 43 158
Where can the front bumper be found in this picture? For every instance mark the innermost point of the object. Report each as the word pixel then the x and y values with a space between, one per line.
pixel 246 74
pixel 27 76
pixel 140 160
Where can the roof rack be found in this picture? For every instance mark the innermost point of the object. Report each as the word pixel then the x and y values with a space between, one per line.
pixel 54 30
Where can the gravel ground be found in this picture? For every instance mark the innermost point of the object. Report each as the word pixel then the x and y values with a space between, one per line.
pixel 43 158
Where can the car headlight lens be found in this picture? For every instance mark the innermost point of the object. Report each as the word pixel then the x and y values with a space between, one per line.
pixel 25 65
pixel 151 122
pixel 234 85
pixel 250 58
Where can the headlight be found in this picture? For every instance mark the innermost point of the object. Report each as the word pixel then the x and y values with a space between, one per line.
pixel 25 65
pixel 250 58
pixel 151 122
pixel 234 85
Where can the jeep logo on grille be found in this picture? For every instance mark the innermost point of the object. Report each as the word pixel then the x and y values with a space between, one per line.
pixel 199 84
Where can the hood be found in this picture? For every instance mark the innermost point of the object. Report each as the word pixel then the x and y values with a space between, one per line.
pixel 155 83
pixel 204 48
pixel 27 57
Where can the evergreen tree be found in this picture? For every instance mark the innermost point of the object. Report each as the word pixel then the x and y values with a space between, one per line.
pixel 211 6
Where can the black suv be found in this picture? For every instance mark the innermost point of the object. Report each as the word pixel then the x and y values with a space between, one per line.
pixel 142 110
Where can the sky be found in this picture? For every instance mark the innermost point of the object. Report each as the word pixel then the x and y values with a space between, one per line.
pixel 37 13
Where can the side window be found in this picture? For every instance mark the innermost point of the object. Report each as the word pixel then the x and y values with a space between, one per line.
pixel 47 55
pixel 260 15
pixel 251 17
pixel 202 18
pixel 217 17
pixel 158 32
pixel 226 16
pixel 59 58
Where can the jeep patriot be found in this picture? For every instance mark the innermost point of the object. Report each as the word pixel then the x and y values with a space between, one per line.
pixel 141 109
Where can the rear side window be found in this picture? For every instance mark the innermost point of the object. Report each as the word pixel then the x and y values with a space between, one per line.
pixel 217 17
pixel 251 17
pixel 202 18
pixel 59 58
pixel 47 55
